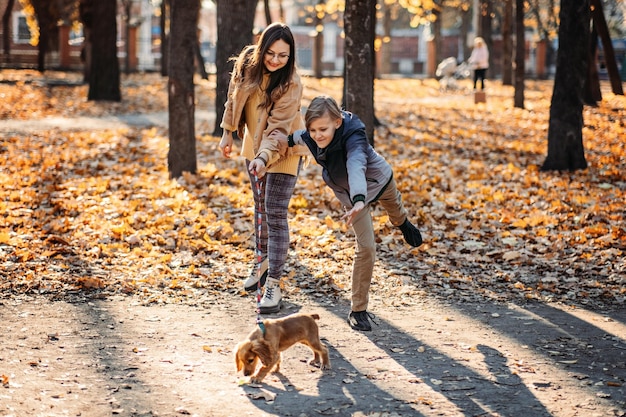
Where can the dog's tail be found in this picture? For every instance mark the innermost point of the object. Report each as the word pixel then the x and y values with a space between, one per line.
pixel 315 316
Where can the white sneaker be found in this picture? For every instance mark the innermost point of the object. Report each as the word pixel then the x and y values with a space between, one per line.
pixel 272 299
pixel 251 282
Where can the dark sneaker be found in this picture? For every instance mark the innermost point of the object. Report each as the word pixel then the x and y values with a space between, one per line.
pixel 360 320
pixel 411 234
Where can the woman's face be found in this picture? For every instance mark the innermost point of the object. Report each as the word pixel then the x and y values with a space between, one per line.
pixel 323 129
pixel 277 55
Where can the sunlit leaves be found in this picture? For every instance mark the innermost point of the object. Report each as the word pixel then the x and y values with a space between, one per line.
pixel 94 209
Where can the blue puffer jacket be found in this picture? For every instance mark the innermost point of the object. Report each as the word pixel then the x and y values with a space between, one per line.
pixel 351 167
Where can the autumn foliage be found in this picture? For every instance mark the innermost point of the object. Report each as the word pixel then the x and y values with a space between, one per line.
pixel 88 209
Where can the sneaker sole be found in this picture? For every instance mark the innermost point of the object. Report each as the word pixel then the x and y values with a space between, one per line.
pixel 254 286
pixel 359 328
pixel 269 310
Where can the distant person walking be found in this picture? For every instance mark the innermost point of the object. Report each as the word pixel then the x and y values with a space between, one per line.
pixel 479 60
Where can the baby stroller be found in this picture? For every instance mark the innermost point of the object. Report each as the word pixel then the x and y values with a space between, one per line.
pixel 449 72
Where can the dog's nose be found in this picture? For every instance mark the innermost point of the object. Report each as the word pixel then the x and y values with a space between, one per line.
pixel 246 373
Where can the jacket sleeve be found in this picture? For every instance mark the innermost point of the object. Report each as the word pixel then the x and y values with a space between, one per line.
pixel 236 96
pixel 282 117
pixel 228 118
pixel 356 164
pixel 299 147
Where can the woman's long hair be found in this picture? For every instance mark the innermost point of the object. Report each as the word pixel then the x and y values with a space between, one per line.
pixel 249 68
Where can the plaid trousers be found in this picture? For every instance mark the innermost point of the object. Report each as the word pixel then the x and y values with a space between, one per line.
pixel 272 194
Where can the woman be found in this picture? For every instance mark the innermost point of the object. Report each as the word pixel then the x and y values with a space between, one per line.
pixel 264 95
pixel 479 59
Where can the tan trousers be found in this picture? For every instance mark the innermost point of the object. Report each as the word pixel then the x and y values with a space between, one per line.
pixel 365 255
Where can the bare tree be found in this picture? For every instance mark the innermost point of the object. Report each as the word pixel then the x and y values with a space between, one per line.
pixel 520 52
pixel 48 30
pixel 466 25
pixel 164 22
pixel 318 41
pixel 359 27
pixel 235 20
pixel 486 22
pixel 600 25
pixel 507 43
pixel 545 20
pixel 86 17
pixel 591 90
pixel 104 79
pixel 126 18
pixel 266 10
pixel 183 40
pixel 565 142
pixel 436 32
pixel 6 30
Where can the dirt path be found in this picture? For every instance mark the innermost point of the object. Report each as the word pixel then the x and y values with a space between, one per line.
pixel 118 357
pixel 427 357
pixel 203 118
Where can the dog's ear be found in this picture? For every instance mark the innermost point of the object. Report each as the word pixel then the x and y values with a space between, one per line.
pixel 263 351
pixel 238 361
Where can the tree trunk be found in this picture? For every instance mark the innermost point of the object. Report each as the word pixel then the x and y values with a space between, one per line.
pixel 48 31
pixel 318 44
pixel 520 53
pixel 85 10
pixel 200 60
pixel 164 21
pixel 437 37
pixel 183 40
pixel 266 10
pixel 235 20
pixel 466 24
pixel 42 48
pixel 104 81
pixel 6 30
pixel 565 142
pixel 126 5
pixel 281 10
pixel 486 22
pixel 359 22
pixel 599 24
pixel 591 90
pixel 507 44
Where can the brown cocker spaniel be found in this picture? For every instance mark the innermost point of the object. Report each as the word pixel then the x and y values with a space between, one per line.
pixel 280 334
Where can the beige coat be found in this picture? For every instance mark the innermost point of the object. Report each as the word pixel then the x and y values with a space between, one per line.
pixel 285 116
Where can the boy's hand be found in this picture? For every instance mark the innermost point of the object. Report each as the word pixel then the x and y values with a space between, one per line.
pixel 257 167
pixel 281 138
pixel 351 214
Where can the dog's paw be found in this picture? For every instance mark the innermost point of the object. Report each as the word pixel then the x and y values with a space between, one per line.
pixel 255 380
pixel 319 364
pixel 315 362
pixel 323 365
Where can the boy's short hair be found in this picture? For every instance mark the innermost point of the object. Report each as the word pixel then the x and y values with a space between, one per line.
pixel 320 106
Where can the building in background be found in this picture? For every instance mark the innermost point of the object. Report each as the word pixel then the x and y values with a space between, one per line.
pixel 407 50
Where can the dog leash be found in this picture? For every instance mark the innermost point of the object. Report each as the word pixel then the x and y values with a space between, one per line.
pixel 259 255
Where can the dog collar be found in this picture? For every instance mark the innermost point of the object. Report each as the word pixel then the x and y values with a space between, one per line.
pixel 261 326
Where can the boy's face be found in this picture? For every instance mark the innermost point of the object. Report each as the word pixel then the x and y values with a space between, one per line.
pixel 323 129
